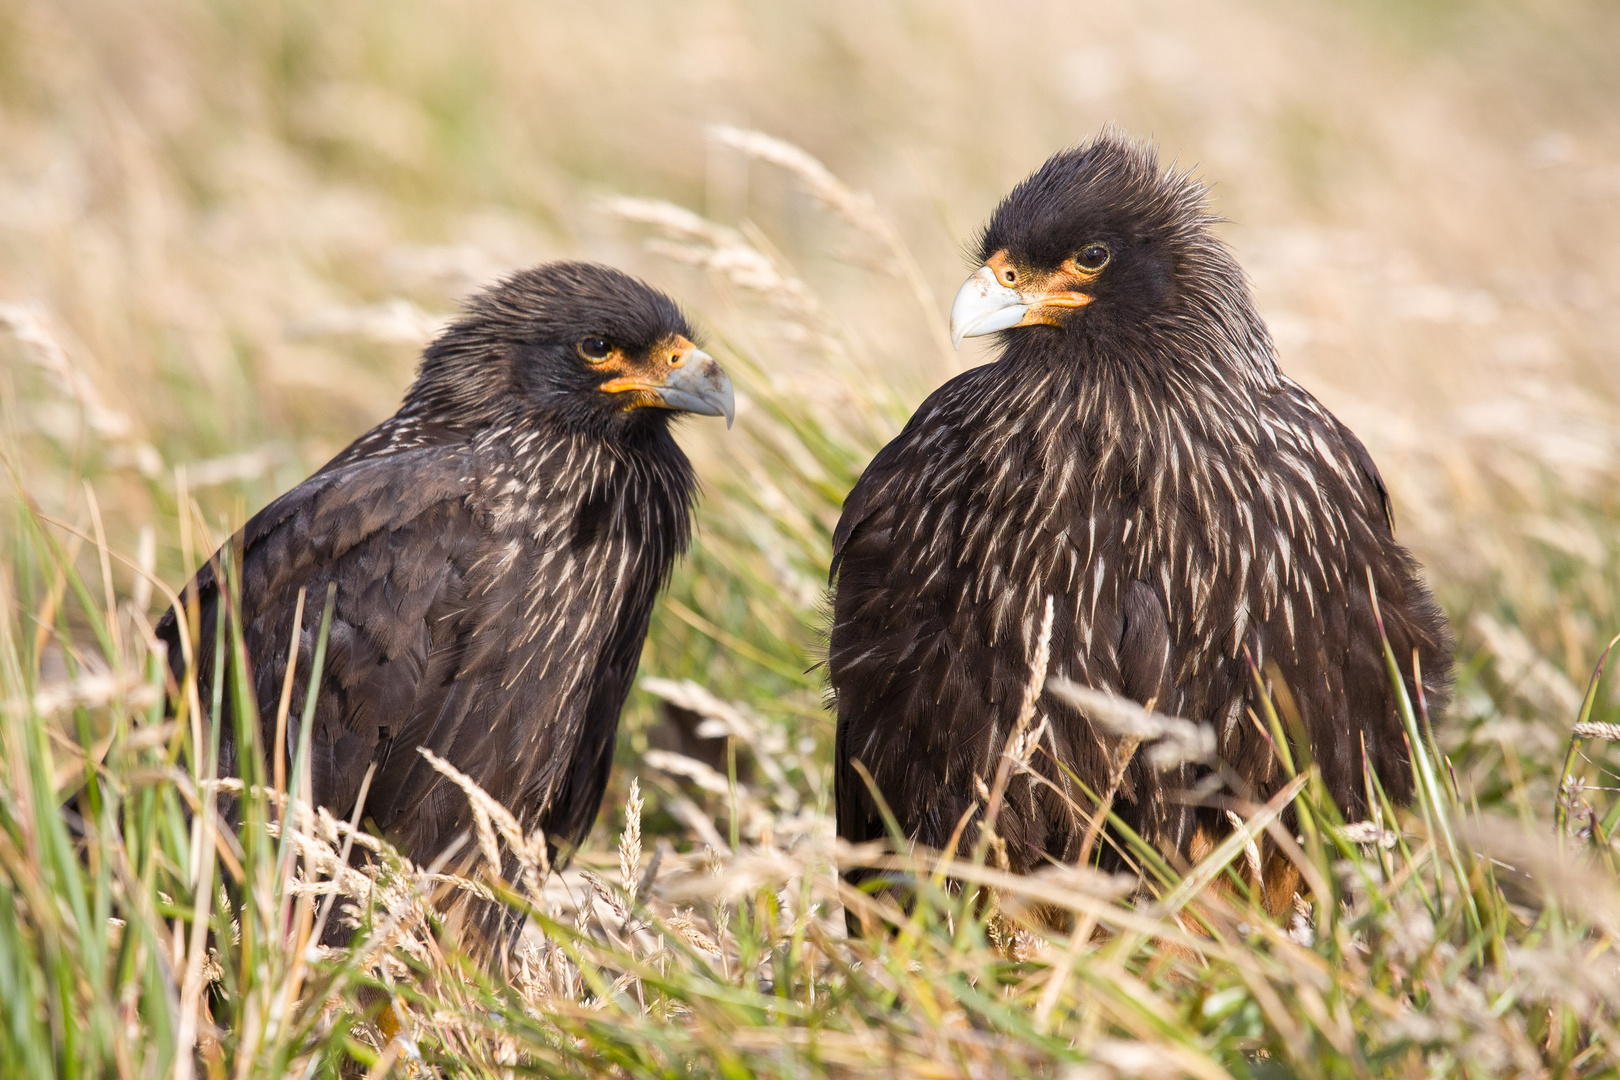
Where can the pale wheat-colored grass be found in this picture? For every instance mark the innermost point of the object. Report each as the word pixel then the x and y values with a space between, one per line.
pixel 226 230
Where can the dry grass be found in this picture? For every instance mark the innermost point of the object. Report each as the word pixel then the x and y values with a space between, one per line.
pixel 226 230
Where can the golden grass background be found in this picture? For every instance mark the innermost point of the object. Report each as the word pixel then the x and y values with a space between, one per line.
pixel 227 229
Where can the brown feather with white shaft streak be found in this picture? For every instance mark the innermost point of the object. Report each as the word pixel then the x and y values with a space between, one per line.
pixel 1142 459
pixel 496 546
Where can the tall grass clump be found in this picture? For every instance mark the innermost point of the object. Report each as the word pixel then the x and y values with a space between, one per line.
pixel 139 922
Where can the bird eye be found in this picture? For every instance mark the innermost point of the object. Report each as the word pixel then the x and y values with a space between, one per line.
pixel 593 348
pixel 1092 257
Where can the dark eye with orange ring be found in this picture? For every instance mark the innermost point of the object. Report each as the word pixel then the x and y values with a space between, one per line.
pixel 1092 257
pixel 594 348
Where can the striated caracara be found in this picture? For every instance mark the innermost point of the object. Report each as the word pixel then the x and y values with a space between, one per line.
pixel 496 547
pixel 1133 453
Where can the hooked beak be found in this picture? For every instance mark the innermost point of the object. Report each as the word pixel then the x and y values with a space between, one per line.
pixel 699 385
pixel 984 305
pixel 688 380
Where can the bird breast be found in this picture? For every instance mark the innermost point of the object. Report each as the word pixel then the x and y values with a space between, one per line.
pixel 1076 494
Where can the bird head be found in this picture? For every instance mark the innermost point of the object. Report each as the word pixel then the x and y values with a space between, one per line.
pixel 1097 238
pixel 592 347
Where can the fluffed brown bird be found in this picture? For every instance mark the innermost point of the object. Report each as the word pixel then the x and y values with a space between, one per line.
pixel 1133 453
pixel 496 547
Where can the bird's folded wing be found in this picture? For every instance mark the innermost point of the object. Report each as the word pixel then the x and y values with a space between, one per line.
pixel 393 535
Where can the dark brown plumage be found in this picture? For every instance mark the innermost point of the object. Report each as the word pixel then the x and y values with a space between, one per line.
pixel 1135 454
pixel 496 546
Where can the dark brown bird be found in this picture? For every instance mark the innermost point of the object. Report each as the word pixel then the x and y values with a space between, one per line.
pixel 496 547
pixel 1134 454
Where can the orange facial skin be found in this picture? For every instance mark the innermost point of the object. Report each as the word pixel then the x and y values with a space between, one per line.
pixel 1048 292
pixel 640 378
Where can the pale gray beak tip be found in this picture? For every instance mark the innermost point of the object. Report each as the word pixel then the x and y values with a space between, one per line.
pixel 728 402
pixel 700 386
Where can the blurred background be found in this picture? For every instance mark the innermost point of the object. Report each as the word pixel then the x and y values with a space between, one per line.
pixel 228 228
